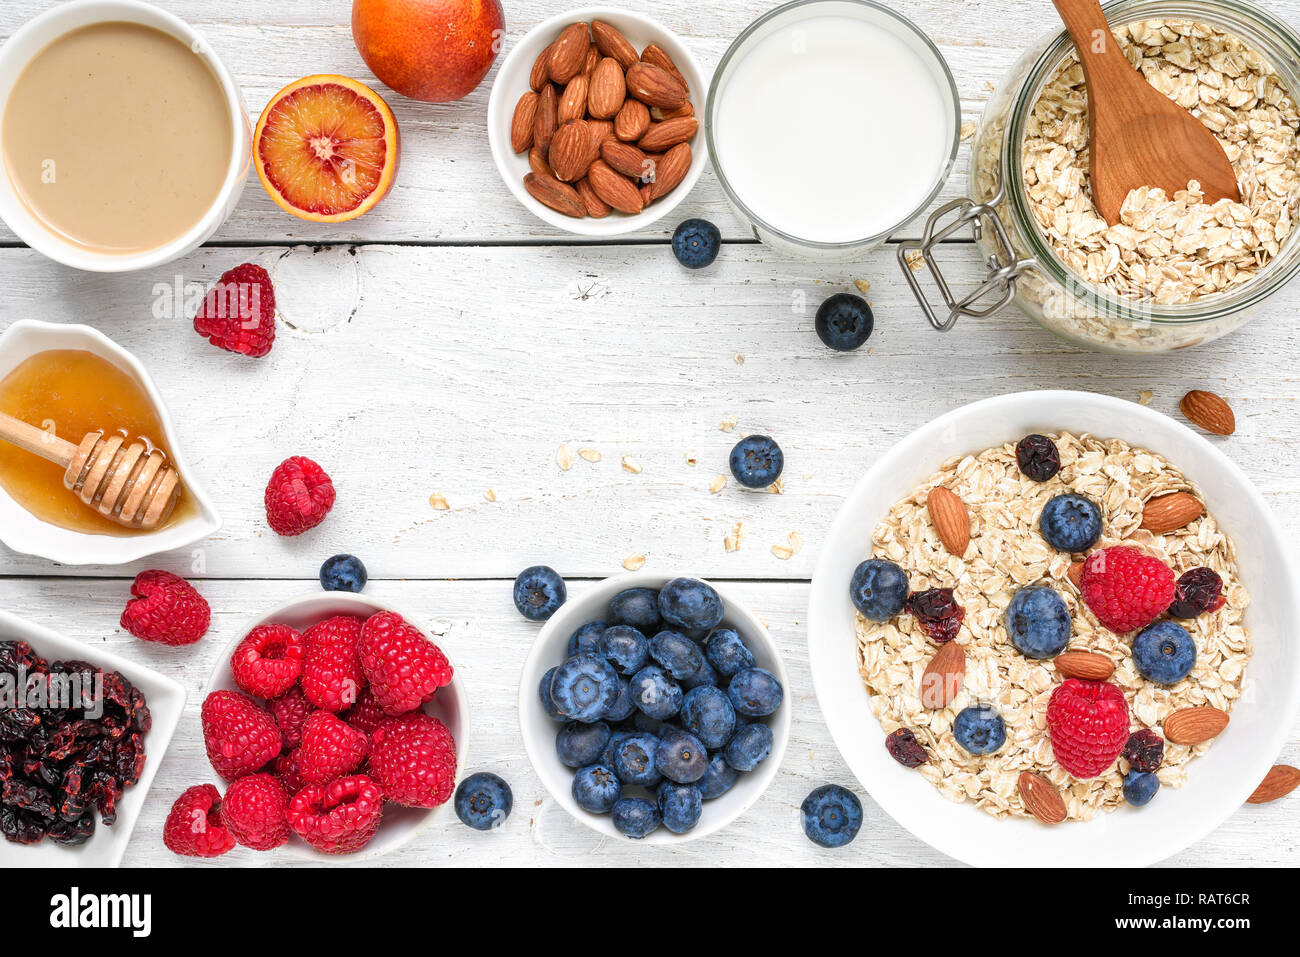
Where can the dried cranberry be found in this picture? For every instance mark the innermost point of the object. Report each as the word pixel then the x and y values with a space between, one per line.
pixel 1144 751
pixel 1038 457
pixel 72 833
pixel 937 612
pixel 907 751
pixel 1197 592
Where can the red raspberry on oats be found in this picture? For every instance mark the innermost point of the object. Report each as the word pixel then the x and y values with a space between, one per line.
pixel 254 812
pixel 404 667
pixel 298 496
pixel 330 748
pixel 1125 588
pixel 166 609
pixel 339 817
pixel 238 313
pixel 1088 725
pixel 268 661
pixel 194 827
pixel 332 677
pixel 413 757
pixel 240 737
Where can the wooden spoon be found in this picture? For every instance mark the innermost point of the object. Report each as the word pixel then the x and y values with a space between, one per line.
pixel 1138 136
pixel 123 481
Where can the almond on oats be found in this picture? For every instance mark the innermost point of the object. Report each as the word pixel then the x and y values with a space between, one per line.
pixel 950 518
pixel 1168 513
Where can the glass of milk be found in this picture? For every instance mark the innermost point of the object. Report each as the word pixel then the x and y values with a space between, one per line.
pixel 831 123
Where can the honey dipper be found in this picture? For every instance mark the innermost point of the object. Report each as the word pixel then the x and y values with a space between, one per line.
pixel 123 481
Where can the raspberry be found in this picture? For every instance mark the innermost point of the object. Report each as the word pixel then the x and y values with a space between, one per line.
pixel 268 661
pixel 404 667
pixel 937 612
pixel 239 736
pixel 290 710
pixel 1126 589
pixel 365 715
pixel 166 609
pixel 331 669
pixel 298 497
pixel 330 748
pixel 286 769
pixel 1145 751
pixel 238 313
pixel 339 817
pixel 194 827
pixel 1088 724
pixel 413 757
pixel 254 812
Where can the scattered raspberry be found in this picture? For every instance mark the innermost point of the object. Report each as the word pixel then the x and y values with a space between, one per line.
pixel 339 817
pixel 1088 724
pixel 254 811
pixel 331 669
pixel 238 313
pixel 166 609
pixel 330 748
pixel 404 667
pixel 1126 589
pixel 298 497
pixel 1145 751
pixel 194 827
pixel 268 661
pixel 290 710
pixel 239 736
pixel 413 757
pixel 286 769
pixel 1197 591
pixel 906 750
pixel 365 715
pixel 937 612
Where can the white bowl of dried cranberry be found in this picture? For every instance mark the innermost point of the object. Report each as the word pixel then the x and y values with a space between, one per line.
pixel 1218 781
pixel 450 705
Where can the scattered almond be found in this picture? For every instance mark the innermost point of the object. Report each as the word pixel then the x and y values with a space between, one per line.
pixel 1209 411
pixel 634 562
pixel 943 676
pixel 1195 725
pixel 521 124
pixel 1085 665
pixel 950 517
pixel 1168 513
pixel 1041 798
pixel 1280 781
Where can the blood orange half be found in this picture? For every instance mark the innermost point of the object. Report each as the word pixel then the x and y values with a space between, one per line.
pixel 327 148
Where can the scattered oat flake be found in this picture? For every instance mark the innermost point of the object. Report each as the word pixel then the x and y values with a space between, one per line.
pixel 738 359
pixel 915 259
pixel 796 541
pixel 490 495
pixel 783 552
pixel 634 562
pixel 1145 397
pixel 589 455
pixel 564 458
pixel 968 129
pixel 718 484
pixel 777 487
pixel 727 424
pixel 437 501
pixel 631 465
pixel 692 458
pixel 863 285
pixel 733 538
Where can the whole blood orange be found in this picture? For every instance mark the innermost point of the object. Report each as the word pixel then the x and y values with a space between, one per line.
pixel 326 148
pixel 434 50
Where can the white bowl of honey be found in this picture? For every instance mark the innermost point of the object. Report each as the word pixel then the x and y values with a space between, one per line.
pixel 70 381
pixel 125 141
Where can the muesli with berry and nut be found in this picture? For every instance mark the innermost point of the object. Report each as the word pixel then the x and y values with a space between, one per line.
pixel 1051 627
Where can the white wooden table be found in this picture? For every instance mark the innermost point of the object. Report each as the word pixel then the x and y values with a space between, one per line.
pixel 449 343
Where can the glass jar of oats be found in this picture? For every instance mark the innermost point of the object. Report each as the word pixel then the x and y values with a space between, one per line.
pixel 1175 271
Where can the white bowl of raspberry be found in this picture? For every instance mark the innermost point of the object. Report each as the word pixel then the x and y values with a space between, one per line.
pixel 1219 775
pixel 449 706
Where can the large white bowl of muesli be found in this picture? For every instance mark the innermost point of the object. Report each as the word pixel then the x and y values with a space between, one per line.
pixel 1120 455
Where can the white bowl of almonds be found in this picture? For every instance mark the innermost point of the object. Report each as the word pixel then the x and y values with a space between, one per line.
pixel 1004 785
pixel 592 121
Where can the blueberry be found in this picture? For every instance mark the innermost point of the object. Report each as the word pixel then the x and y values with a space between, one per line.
pixel 676 654
pixel 1164 653
pixel 690 605
pixel 879 589
pixel 544 693
pixel 588 640
pixel 643 722
pixel 708 714
pixel 635 817
pixel 704 677
pixel 483 801
pixel 756 461
pixel 696 243
pixel 596 788
pixel 539 590
pixel 748 747
pixel 623 707
pixel 584 688
pixel 680 806
pixel 1070 523
pixel 727 652
pixel 844 321
pixel 634 760
pixel 616 738
pixel 755 692
pixel 717 779
pixel 980 729
pixel 638 607
pixel 343 573
pixel 681 757
pixel 1038 622
pixel 626 648
pixel 580 744
pixel 655 694
pixel 832 816
pixel 1140 787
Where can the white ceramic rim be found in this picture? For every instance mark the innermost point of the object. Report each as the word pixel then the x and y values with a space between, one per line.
pixel 881 777
pixel 511 82
pixel 32 37
pixel 363 606
pixel 538 730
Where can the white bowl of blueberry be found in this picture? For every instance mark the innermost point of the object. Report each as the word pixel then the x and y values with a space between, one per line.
pixel 652 707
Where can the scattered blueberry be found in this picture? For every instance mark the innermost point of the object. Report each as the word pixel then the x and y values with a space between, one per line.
pixel 343 573
pixel 634 760
pixel 681 757
pixel 580 744
pixel 832 816
pixel 748 747
pixel 1070 523
pixel 708 714
pixel 727 652
pixel 596 788
pixel 1038 457
pixel 483 801
pixel 635 817
pixel 980 729
pixel 588 640
pixel 623 707
pixel 544 693
pixel 680 806
pixel 1140 787
pixel 690 605
pixel 638 607
pixel 584 688
pixel 718 778
pixel 755 692
pixel 1164 653
pixel 676 654
pixel 696 243
pixel 655 694
pixel 879 589
pixel 844 322
pixel 1038 622
pixel 757 461
pixel 539 590
pixel 627 649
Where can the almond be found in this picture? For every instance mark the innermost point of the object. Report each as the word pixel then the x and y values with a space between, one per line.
pixel 660 136
pixel 546 122
pixel 1085 665
pixel 1075 574
pixel 1195 725
pixel 950 518
pixel 656 55
pixel 538 163
pixel 569 154
pixel 560 197
pixel 600 130
pixel 672 169
pixel 608 89
pixel 647 192
pixel 943 676
pixel 573 101
pixel 1041 798
pixel 1168 513
pixel 624 157
pixel 521 124
pixel 593 60
pixel 568 53
pixel 614 188
pixel 685 109
pixel 541 73
pixel 655 86
pixel 1280 781
pixel 1209 411
pixel 596 207
pixel 612 43
pixel 632 120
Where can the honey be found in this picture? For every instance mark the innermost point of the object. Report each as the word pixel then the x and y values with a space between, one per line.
pixel 71 392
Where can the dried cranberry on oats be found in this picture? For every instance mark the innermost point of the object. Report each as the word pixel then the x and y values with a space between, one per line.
pixel 1197 591
pixel 1144 750
pixel 937 612
pixel 906 750
pixel 1038 457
